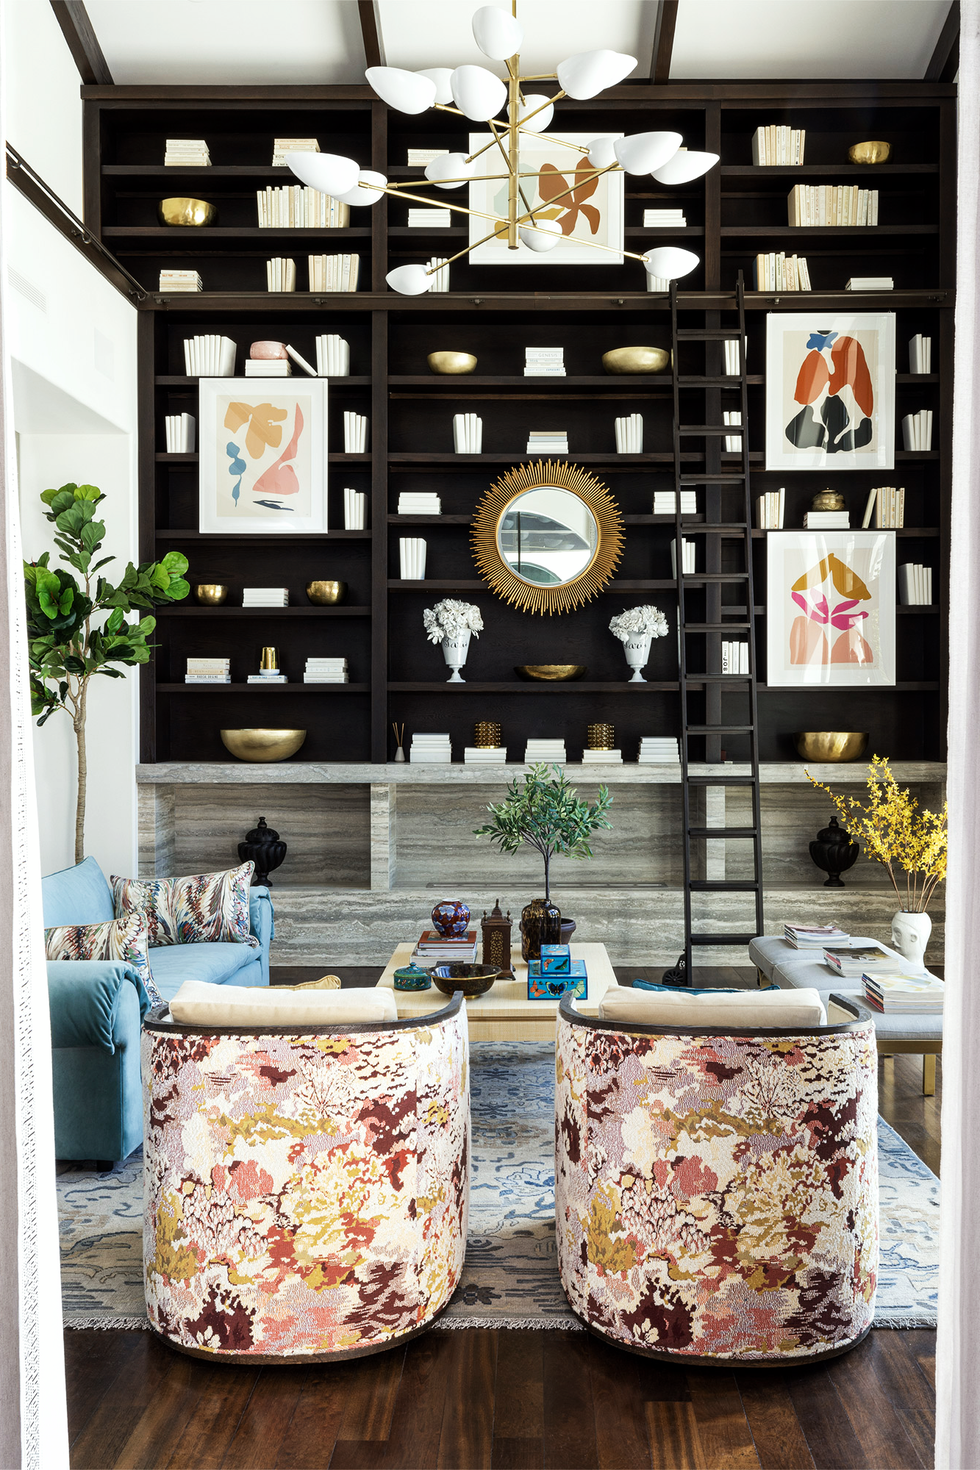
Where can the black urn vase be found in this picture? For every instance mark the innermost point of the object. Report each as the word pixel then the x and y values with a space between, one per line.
pixel 263 847
pixel 834 852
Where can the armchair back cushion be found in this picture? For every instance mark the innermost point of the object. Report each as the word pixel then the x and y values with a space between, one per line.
pixel 725 1009
pixel 199 1004
pixel 78 895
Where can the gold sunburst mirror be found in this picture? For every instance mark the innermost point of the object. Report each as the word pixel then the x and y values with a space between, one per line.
pixel 547 537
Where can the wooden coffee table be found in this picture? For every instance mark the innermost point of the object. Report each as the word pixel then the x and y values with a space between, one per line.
pixel 505 1013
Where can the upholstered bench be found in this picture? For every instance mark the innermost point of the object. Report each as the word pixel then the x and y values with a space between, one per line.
pixel 906 1032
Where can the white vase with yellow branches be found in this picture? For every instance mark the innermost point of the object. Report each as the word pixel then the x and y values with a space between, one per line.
pixel 907 841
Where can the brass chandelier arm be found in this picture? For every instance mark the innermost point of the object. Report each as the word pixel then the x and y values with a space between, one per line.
pixel 502 225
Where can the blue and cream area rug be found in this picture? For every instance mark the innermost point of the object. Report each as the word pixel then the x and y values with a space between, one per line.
pixel 510 1278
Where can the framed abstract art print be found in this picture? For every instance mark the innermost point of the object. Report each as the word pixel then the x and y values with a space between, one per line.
pixel 263 455
pixel 830 608
pixel 830 390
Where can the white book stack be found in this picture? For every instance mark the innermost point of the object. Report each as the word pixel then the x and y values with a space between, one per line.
pixel 280 274
pixel 664 219
pixel 267 676
pixel 870 283
pixel 831 205
pixel 770 510
pixel 439 266
pixel 827 520
pixel 332 356
pixel 187 153
pixel 665 502
pixel 278 367
pixel 209 357
pixel 485 755
pixel 888 505
pixel 325 671
pixel 467 433
pixel 419 503
pixel 208 671
pixel 294 207
pixel 629 434
pixel 411 553
pixel 355 509
pixel 776 145
pixel 658 750
pixel 734 657
pixel 179 429
pixel 544 362
pixel 777 271
pixel 180 280
pixel 914 584
pixel 419 157
pixel 602 757
pixel 429 219
pixel 265 597
pixel 547 441
pixel 917 430
pixel 355 432
pixel 732 358
pixel 334 272
pixel 282 147
pixel 430 750
pixel 545 752
pixel 920 354
pixel 733 442
pixel 688 565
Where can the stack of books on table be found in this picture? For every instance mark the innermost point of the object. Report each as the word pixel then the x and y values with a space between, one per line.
pixel 332 356
pixel 897 992
pixel 267 676
pixel 280 274
pixel 180 280
pixel 208 671
pixel 734 657
pixel 732 357
pixel 888 505
pixel 688 564
pixel 282 147
pixel 179 429
pixel 920 354
pixel 547 752
pixel 419 157
pixel 419 503
pixel 334 272
pixel 547 441
pixel 851 961
pixel 733 420
pixel 822 205
pixel 429 219
pixel 814 936
pixel 915 584
pixel 274 367
pixel 187 153
pixel 439 266
pixel 826 520
pixel 467 433
pixel 485 755
pixel 770 510
pixel 295 207
pixel 411 558
pixel 870 283
pixel 602 757
pixel 917 430
pixel 434 949
pixel 664 219
pixel 658 750
pixel 544 362
pixel 355 432
pixel 325 671
pixel 777 145
pixel 355 509
pixel 629 434
pixel 665 502
pixel 430 750
pixel 777 271
pixel 265 597
pixel 209 357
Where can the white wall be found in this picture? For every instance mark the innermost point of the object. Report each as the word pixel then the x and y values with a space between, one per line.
pixel 41 97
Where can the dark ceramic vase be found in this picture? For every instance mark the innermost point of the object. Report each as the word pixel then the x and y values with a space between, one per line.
pixel 567 930
pixel 262 847
pixel 540 924
pixel 834 852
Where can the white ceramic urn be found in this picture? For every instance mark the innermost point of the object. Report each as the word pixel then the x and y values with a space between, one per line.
pixel 637 650
pixel 454 651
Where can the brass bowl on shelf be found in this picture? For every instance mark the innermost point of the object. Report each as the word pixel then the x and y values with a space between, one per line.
pixel 263 745
pixel 451 362
pixel 472 980
pixel 326 594
pixel 181 211
pixel 550 673
pixel 876 151
pixel 636 360
pixel 212 594
pixel 831 745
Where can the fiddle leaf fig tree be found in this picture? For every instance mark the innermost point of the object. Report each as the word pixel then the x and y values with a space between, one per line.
pixel 78 626
pixel 543 812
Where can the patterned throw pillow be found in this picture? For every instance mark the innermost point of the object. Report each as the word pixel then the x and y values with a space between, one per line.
pixel 207 909
pixel 115 939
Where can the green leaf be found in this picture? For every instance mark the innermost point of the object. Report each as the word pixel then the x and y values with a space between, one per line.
pixel 178 589
pixel 115 620
pixel 175 562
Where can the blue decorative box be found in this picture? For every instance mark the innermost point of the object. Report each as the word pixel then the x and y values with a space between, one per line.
pixel 553 987
pixel 556 959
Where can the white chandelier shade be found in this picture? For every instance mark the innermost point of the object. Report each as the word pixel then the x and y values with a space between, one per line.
pixel 454 167
pixel 497 34
pixel 588 73
pixel 477 92
pixel 684 167
pixel 405 91
pixel 409 280
pixel 602 152
pixel 543 113
pixel 359 194
pixel 643 152
pixel 670 262
pixel 543 235
pixel 440 75
pixel 328 172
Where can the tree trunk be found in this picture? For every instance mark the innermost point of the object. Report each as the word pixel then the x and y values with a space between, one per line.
pixel 547 878
pixel 82 785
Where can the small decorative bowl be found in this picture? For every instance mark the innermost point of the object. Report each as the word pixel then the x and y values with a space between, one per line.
pixel 263 745
pixel 451 362
pixel 268 351
pixel 636 360
pixel 185 212
pixel 831 745
pixel 326 594
pixel 550 673
pixel 412 977
pixel 212 594
pixel 874 152
pixel 472 980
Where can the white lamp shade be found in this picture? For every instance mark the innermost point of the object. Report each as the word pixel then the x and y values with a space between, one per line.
pixel 329 172
pixel 669 262
pixel 440 76
pixel 588 73
pixel 544 236
pixel 477 92
pixel 450 166
pixel 602 152
pixel 684 167
pixel 405 91
pixel 359 195
pixel 409 280
pixel 542 119
pixel 497 34
pixel 643 152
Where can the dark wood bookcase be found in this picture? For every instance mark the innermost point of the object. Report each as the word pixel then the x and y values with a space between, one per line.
pixel 396 675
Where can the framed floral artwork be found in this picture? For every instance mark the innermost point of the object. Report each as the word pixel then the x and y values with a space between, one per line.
pixel 830 390
pixel 830 608
pixel 588 205
pixel 263 455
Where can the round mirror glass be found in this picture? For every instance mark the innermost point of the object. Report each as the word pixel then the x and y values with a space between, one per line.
pixel 547 536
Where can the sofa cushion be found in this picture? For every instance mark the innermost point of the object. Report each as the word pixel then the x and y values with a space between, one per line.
pixel 214 964
pixel 206 908
pixel 84 998
pixel 234 1005
pixel 78 895
pixel 115 939
pixel 726 1011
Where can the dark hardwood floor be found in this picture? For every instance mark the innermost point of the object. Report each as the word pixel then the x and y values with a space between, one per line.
pixel 508 1400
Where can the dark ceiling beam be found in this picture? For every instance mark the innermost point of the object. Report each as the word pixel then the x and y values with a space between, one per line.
pixel 83 43
pixel 663 41
pixel 367 14
pixel 945 60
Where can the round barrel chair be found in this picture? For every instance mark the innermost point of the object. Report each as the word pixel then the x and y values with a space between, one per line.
pixel 716 1185
pixel 306 1186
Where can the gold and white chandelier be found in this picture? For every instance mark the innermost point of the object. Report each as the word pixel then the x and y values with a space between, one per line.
pixel 476 93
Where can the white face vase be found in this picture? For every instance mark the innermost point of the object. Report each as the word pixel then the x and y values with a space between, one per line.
pixel 910 934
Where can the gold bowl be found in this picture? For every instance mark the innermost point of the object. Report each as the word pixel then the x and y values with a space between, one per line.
pixel 181 211
pixel 263 745
pixel 550 673
pixel 831 745
pixel 326 594
pixel 874 152
pixel 636 360
pixel 212 594
pixel 451 362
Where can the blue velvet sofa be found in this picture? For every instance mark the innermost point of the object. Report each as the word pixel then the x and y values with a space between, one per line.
pixel 97 1008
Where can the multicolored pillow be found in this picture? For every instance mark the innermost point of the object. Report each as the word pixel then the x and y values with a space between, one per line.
pixel 115 939
pixel 207 909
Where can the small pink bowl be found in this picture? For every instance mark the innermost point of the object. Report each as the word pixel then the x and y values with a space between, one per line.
pixel 267 351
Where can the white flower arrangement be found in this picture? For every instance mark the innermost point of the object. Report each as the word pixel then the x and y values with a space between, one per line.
pixel 451 618
pixel 635 622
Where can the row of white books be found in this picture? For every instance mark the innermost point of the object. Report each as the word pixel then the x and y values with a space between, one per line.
pixel 664 219
pixel 888 506
pixel 334 272
pixel 485 755
pixel 915 584
pixel 547 441
pixel 419 503
pixel 439 267
pixel 295 207
pixel 430 749
pixel 658 750
pixel 688 550
pixel 355 432
pixel 870 283
pixel 770 510
pixel 429 219
pixel 733 357
pixel 544 362
pixel 419 157
pixel 776 145
pixel 209 356
pixel 467 433
pixel 780 272
pixel 917 429
pixel 734 657
pixel 173 280
pixel 187 153
pixel 411 556
pixel 208 671
pixel 179 429
pixel 629 434
pixel 826 520
pixel 733 419
pixel 831 204
pixel 325 671
pixel 920 354
pixel 282 147
pixel 665 502
pixel 332 356
pixel 355 509
pixel 265 597
pixel 280 274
